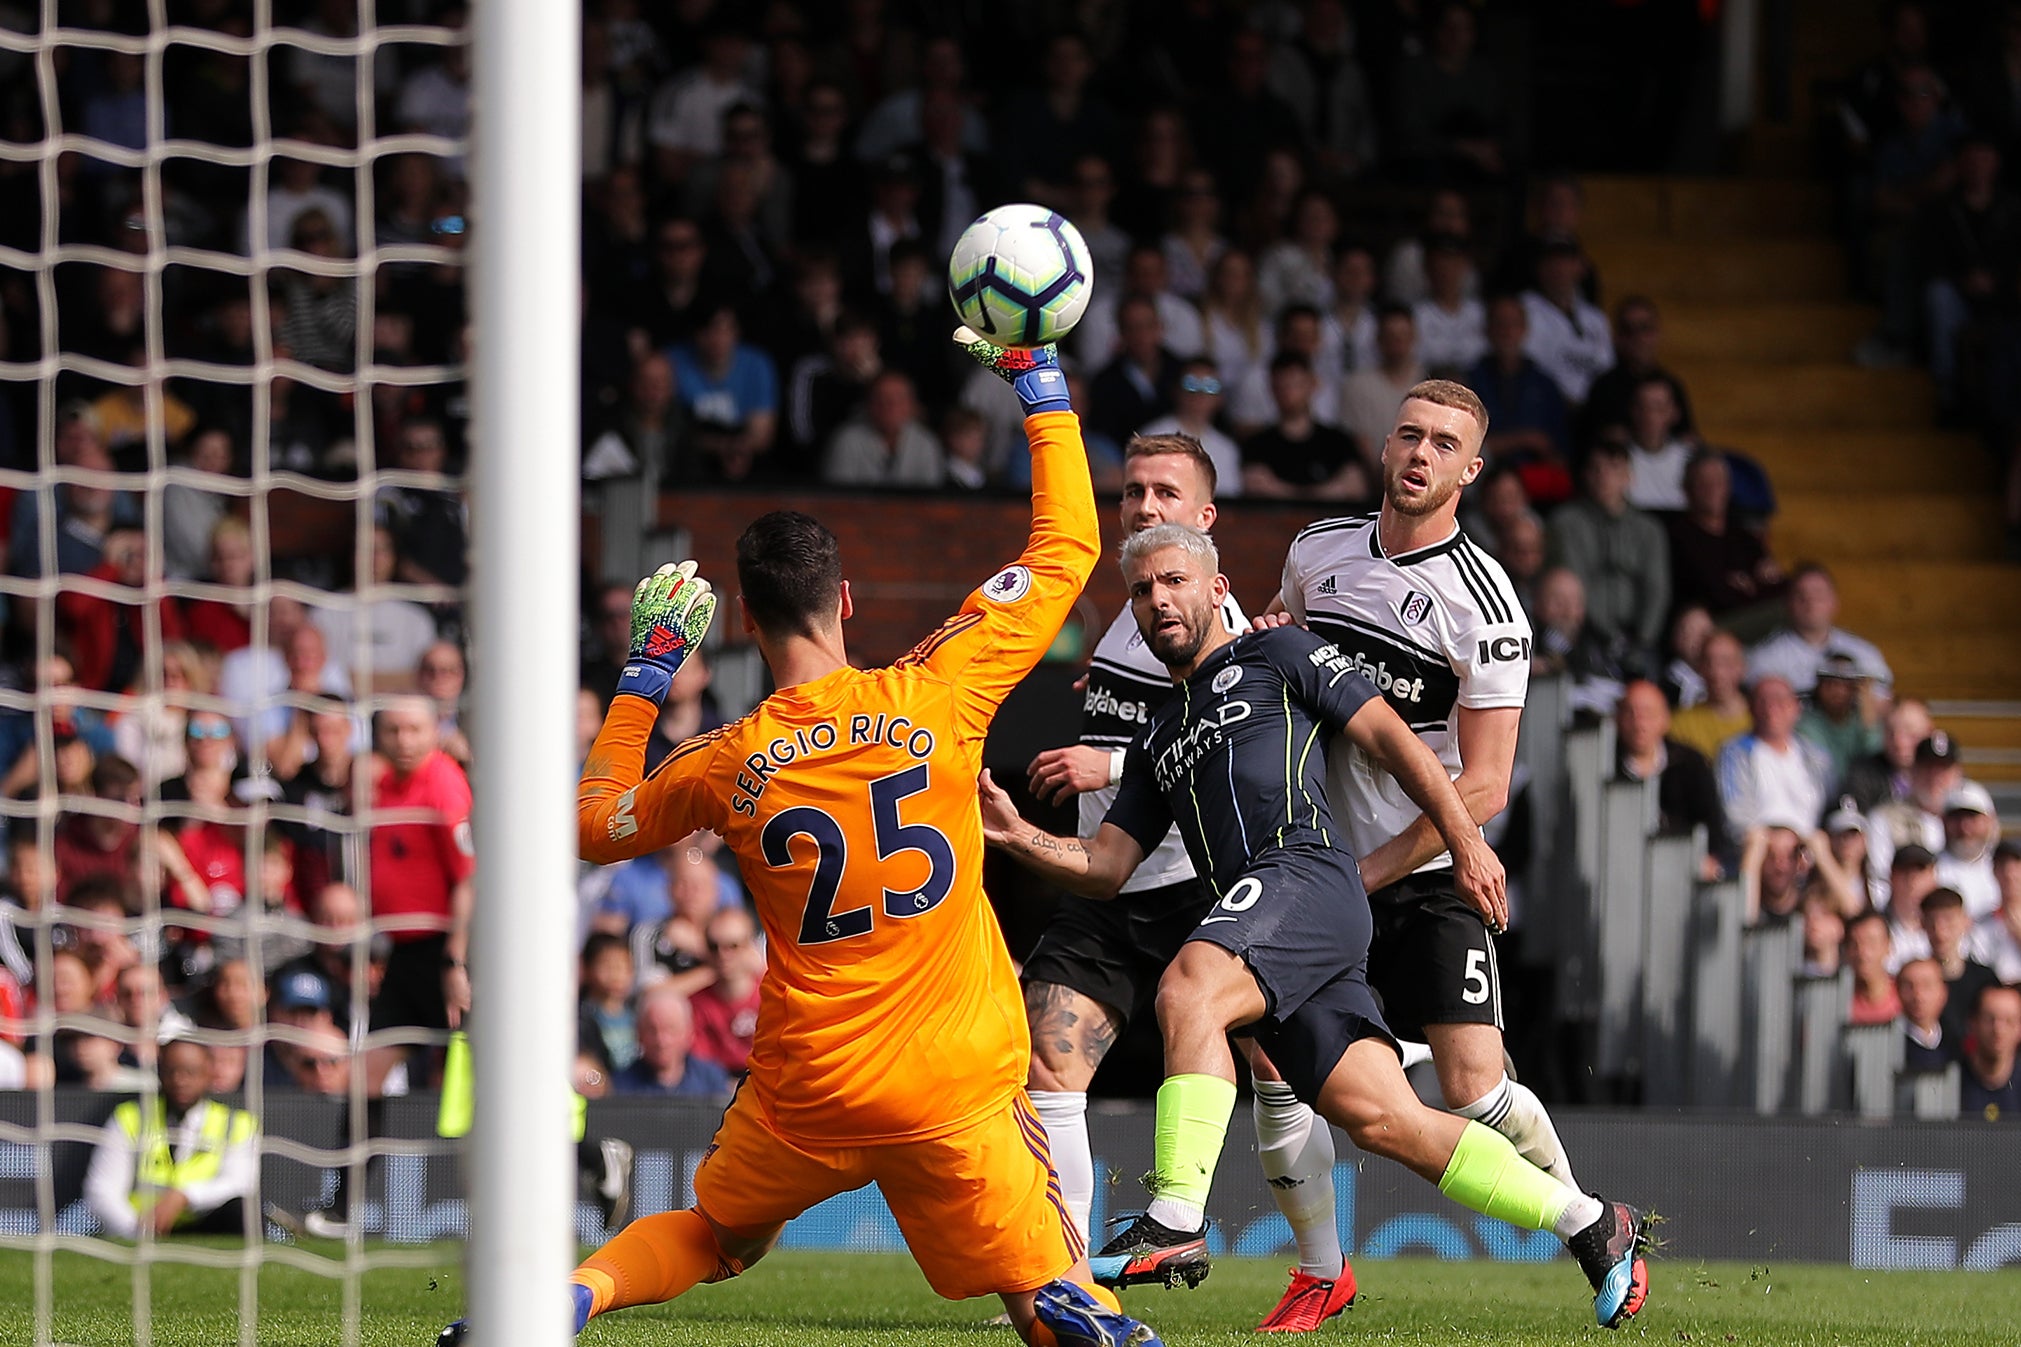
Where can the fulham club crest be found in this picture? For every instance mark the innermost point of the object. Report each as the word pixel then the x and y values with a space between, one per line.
pixel 1414 608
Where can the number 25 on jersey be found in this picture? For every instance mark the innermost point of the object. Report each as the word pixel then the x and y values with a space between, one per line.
pixel 820 923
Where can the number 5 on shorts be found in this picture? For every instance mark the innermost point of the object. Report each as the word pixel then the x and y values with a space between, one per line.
pixel 1475 990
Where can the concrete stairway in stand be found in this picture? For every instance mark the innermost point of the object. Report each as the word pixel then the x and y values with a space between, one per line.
pixel 1758 323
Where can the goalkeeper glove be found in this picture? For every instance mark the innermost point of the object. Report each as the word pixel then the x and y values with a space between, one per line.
pixel 1034 372
pixel 671 612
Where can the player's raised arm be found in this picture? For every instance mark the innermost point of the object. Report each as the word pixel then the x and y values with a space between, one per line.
pixel 1012 619
pixel 1094 867
pixel 618 814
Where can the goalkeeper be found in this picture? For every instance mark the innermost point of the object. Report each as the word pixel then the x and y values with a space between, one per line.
pixel 891 1045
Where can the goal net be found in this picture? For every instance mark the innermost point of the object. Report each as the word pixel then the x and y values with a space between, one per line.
pixel 234 431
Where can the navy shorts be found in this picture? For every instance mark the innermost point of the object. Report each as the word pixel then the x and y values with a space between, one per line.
pixel 1114 952
pixel 1300 921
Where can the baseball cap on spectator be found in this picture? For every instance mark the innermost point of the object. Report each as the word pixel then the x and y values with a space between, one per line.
pixel 1914 856
pixel 302 990
pixel 1937 750
pixel 1846 818
pixel 1969 797
pixel 1838 664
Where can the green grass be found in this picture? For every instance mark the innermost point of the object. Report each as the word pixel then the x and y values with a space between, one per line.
pixel 863 1300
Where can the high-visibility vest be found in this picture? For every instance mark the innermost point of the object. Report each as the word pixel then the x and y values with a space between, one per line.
pixel 156 1169
pixel 459 1093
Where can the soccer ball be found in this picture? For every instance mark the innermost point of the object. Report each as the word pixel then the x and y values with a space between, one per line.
pixel 1020 276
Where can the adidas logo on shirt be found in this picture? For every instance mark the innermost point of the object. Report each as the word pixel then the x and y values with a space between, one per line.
pixel 1327 586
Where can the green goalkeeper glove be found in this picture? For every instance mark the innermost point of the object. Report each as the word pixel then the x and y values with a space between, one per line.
pixel 1034 372
pixel 671 612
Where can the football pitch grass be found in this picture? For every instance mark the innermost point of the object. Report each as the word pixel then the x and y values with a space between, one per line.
pixel 878 1300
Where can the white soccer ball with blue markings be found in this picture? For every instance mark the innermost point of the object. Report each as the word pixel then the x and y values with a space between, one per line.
pixel 1021 276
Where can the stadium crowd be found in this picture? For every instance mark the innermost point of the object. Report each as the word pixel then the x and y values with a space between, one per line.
pixel 1296 210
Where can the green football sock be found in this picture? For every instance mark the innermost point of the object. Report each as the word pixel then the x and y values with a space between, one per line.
pixel 1192 1123
pixel 1487 1175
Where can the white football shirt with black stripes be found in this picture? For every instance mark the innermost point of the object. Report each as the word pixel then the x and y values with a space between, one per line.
pixel 1434 630
pixel 1126 685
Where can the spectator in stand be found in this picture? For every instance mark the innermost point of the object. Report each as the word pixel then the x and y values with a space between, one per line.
pixel 1100 335
pixel 965 440
pixel 1657 451
pixel 1452 326
pixel 667 1065
pixel 730 392
pixel 1868 107
pixel 1496 501
pixel 1991 1089
pixel 1244 117
pixel 94 845
pixel 1558 206
pixel 683 292
pixel 1880 777
pixel 1619 554
pixel 829 388
pixel 748 189
pixel 1969 242
pixel 1836 719
pixel 1638 340
pixel 25 893
pixel 377 637
pixel 189 511
pixel 1567 646
pixel 1240 338
pixel 342 938
pixel 1568 337
pixel 1297 457
pixel 1527 421
pixel 610 641
pixel 431 525
pixel 1875 1000
pixel 1521 552
pixel 1928 1042
pixel 150 731
pixel 912 324
pixel 1949 927
pixel 109 638
pixel 327 787
pixel 1775 868
pixel 1798 649
pixel 95 929
pixel 1450 117
pixel 1299 269
pixel 1714 561
pixel 1846 828
pixel 1918 817
pixel 1194 243
pixel 146 1016
pixel 1912 877
pixel 181 1162
pixel 84 513
pixel 1913 166
pixel 1824 938
pixel 1369 398
pixel 689 710
pixel 423 870
pixel 439 676
pixel 1196 405
pixel 608 1027
pixel 1690 628
pixel 319 309
pixel 827 179
pixel 888 446
pixel 1768 775
pixel 1447 215
pixel 1971 831
pixel 1108 243
pixel 225 625
pixel 1049 127
pixel 1347 330
pixel 685 123
pixel 1300 331
pixel 726 1011
pixel 1686 795
pixel 1318 78
pixel 276 729
pixel 1138 385
pixel 1996 940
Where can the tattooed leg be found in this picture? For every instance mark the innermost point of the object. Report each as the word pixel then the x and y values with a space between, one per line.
pixel 1071 1033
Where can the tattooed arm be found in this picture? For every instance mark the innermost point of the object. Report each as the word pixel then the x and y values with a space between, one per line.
pixel 1094 868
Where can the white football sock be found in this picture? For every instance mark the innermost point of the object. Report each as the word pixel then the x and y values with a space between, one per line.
pixel 1579 1213
pixel 1064 1114
pixel 1176 1213
pixel 1414 1053
pixel 1296 1148
pixel 1515 1111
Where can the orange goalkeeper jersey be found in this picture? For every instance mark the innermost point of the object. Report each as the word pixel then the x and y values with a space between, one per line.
pixel 890 1010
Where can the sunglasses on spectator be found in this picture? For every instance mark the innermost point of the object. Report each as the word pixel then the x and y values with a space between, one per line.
pixel 199 730
pixel 1201 383
pixel 432 669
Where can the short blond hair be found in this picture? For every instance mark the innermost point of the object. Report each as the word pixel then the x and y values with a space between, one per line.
pixel 1179 445
pixel 1450 393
